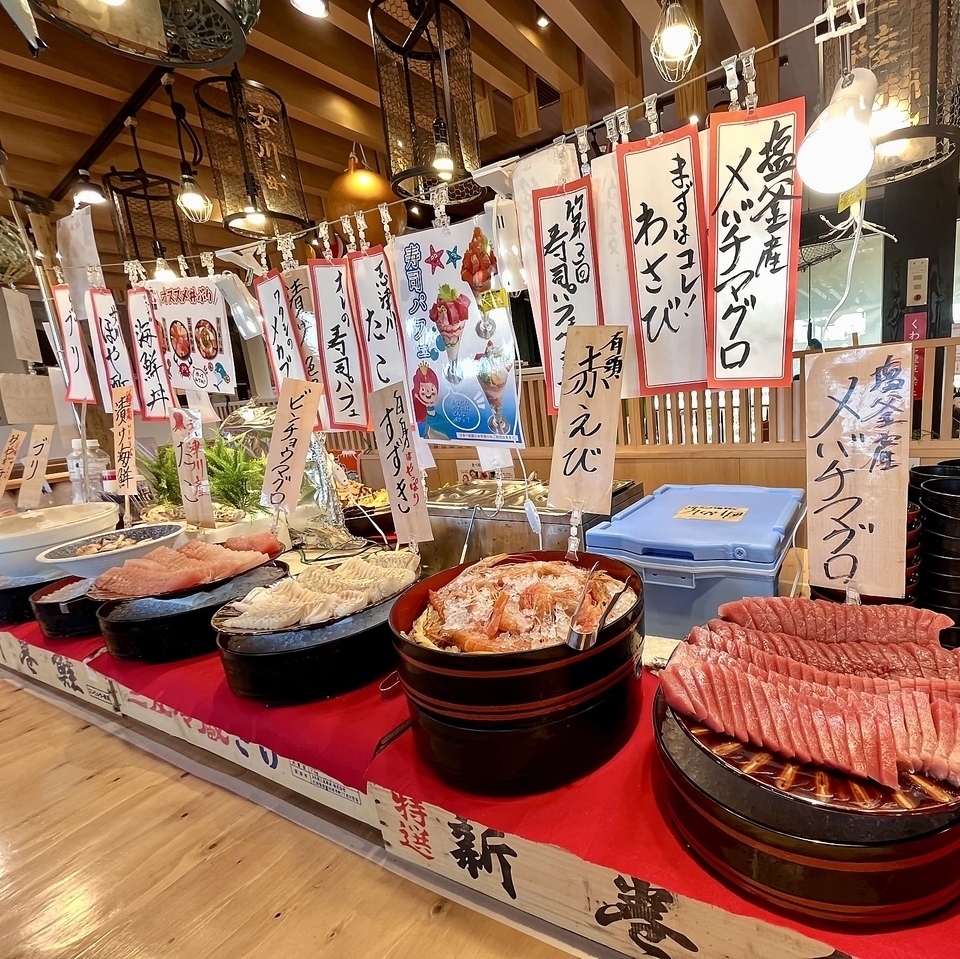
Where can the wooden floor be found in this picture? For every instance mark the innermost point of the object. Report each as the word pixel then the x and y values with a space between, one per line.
pixel 109 853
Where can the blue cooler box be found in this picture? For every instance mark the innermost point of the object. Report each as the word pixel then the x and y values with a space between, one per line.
pixel 698 547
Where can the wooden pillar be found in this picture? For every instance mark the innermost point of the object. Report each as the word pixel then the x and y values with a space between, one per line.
pixel 692 98
pixel 526 112
pixel 574 106
pixel 486 117
pixel 768 62
pixel 630 92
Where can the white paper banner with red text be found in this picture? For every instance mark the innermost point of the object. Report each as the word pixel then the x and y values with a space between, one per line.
pixel 73 349
pixel 114 368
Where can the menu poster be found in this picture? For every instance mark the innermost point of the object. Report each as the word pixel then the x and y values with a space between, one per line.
pixel 11 448
pixel 114 368
pixel 581 471
pixel 754 245
pixel 858 418
pixel 569 280
pixel 401 469
pixel 35 467
pixel 380 333
pixel 460 359
pixel 26 346
pixel 665 235
pixel 75 372
pixel 187 430
pixel 191 317
pixel 342 369
pixel 123 441
pixel 152 376
pixel 278 329
pixel 296 415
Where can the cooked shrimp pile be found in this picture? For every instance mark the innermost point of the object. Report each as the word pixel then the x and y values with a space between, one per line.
pixel 491 608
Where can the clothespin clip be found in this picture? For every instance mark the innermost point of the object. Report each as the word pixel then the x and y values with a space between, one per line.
pixel 733 81
pixel 323 231
pixel 439 197
pixel 262 254
pixel 560 151
pixel 650 112
pixel 206 261
pixel 58 274
pixel 348 229
pixel 610 124
pixel 623 123
pixel 583 148
pixel 285 244
pixel 182 264
pixel 361 219
pixel 136 274
pixel 751 100
pixel 386 220
pixel 95 277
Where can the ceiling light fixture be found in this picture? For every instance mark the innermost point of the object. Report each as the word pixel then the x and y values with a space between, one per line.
pixel 543 21
pixel 193 203
pixel 87 192
pixel 675 41
pixel 162 271
pixel 694 119
pixel 312 8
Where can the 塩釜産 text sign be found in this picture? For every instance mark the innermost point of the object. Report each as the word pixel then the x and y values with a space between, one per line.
pixel 585 446
pixel 858 436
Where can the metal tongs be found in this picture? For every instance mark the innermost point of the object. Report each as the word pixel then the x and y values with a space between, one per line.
pixel 583 641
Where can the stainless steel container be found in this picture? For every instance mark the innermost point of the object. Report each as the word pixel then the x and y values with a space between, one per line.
pixel 468 514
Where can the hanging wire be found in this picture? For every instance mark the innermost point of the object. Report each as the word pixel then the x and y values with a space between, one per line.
pixel 183 128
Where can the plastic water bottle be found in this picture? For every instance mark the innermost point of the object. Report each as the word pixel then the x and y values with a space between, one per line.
pixel 97 462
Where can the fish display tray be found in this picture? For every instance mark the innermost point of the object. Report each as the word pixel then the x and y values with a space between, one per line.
pixel 810 841
pixel 309 663
pixel 361 522
pixel 66 619
pixel 160 630
pixel 523 722
pixel 15 607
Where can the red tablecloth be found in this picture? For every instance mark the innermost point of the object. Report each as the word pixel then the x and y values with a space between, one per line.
pixel 611 818
pixel 78 649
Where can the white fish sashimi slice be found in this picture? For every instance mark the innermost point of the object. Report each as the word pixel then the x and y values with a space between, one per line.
pixel 398 560
pixel 267 617
pixel 320 613
pixel 349 601
pixel 320 580
pixel 255 599
pixel 358 568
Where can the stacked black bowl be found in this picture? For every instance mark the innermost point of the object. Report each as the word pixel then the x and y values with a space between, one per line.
pixel 939 495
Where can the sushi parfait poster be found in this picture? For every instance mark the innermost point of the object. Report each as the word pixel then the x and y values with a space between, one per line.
pixel 461 360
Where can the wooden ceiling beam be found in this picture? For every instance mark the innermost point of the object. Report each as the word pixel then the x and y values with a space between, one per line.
pixel 646 13
pixel 746 22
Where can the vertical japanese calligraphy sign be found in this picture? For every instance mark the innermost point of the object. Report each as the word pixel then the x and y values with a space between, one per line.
pixel 915 328
pixel 73 348
pixel 303 313
pixel 401 468
pixel 858 418
pixel 35 467
pixel 342 368
pixel 379 324
pixel 297 409
pixel 11 448
pixel 124 444
pixel 187 430
pixel 754 237
pixel 585 446
pixel 665 235
pixel 569 283
pixel 149 361
pixel 115 368
pixel 282 349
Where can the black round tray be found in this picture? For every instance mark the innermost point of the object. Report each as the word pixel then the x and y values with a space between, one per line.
pixel 15 605
pixel 70 619
pixel 163 630
pixel 310 663
pixel 359 523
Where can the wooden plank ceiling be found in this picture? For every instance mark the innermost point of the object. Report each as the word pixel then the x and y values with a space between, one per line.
pixel 591 54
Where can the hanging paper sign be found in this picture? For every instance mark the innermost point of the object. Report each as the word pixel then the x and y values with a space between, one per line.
pixel 73 348
pixel 26 346
pixel 187 430
pixel 915 328
pixel 296 415
pixel 304 320
pixel 345 386
pixel 584 450
pixel 35 467
pixel 152 376
pixel 377 314
pixel 77 249
pixel 663 228
pixel 8 458
pixel 612 261
pixel 401 469
pixel 123 441
pixel 278 329
pixel 569 284
pixel 114 368
pixel 191 317
pixel 754 245
pixel 460 358
pixel 858 435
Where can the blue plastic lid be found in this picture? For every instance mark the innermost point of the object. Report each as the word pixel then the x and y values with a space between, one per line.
pixel 748 524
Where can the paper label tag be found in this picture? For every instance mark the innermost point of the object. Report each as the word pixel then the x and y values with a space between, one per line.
pixel 187 429
pixel 9 456
pixel 35 467
pixel 497 299
pixel 26 346
pixel 296 415
pixel 123 441
pixel 724 514
pixel 851 196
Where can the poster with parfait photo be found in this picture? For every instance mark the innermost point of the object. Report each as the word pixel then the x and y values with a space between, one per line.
pixel 458 332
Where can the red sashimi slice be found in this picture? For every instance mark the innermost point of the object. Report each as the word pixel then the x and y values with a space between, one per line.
pixel 871 749
pixel 939 764
pixel 791 711
pixel 256 542
pixel 674 683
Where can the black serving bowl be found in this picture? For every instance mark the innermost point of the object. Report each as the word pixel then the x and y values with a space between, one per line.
pixel 936 521
pixel 939 544
pixel 941 495
pixel 940 565
pixel 942 600
pixel 361 523
pixel 526 721
pixel 934 579
pixel 15 605
pixel 920 474
pixel 65 619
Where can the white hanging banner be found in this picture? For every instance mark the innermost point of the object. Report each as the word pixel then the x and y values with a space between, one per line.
pixel 124 441
pixel 754 234
pixel 282 349
pixel 663 229
pixel 612 262
pixel 74 351
pixel 304 316
pixel 35 467
pixel 344 375
pixel 26 346
pixel 152 377
pixel 191 317
pixel 114 369
pixel 187 430
pixel 377 314
pixel 569 281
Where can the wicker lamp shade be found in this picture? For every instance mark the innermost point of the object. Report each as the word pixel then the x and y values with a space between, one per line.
pixel 15 259
pixel 172 33
pixel 425 73
pixel 251 150
pixel 361 189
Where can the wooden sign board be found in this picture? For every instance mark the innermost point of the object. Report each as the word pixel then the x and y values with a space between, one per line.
pixel 187 429
pixel 11 448
pixel 27 398
pixel 858 438
pixel 297 410
pixel 124 444
pixel 26 346
pixel 35 467
pixel 584 449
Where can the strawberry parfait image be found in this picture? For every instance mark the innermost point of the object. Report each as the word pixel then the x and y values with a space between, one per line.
pixel 450 314
pixel 479 269
pixel 494 367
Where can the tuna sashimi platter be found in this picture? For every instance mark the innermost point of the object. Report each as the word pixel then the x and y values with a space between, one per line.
pixel 165 571
pixel 806 685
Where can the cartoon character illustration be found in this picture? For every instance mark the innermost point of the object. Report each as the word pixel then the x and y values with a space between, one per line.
pixel 426 390
pixel 221 374
pixel 185 369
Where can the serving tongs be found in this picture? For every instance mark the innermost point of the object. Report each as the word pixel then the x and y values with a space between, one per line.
pixel 584 641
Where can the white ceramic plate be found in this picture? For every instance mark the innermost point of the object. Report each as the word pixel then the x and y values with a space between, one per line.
pixel 148 538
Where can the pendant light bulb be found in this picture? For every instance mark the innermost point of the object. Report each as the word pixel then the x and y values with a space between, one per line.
pixel 195 205
pixel 87 192
pixel 113 3
pixel 838 150
pixel 254 217
pixel 311 8
pixel 676 41
pixel 442 160
pixel 162 271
